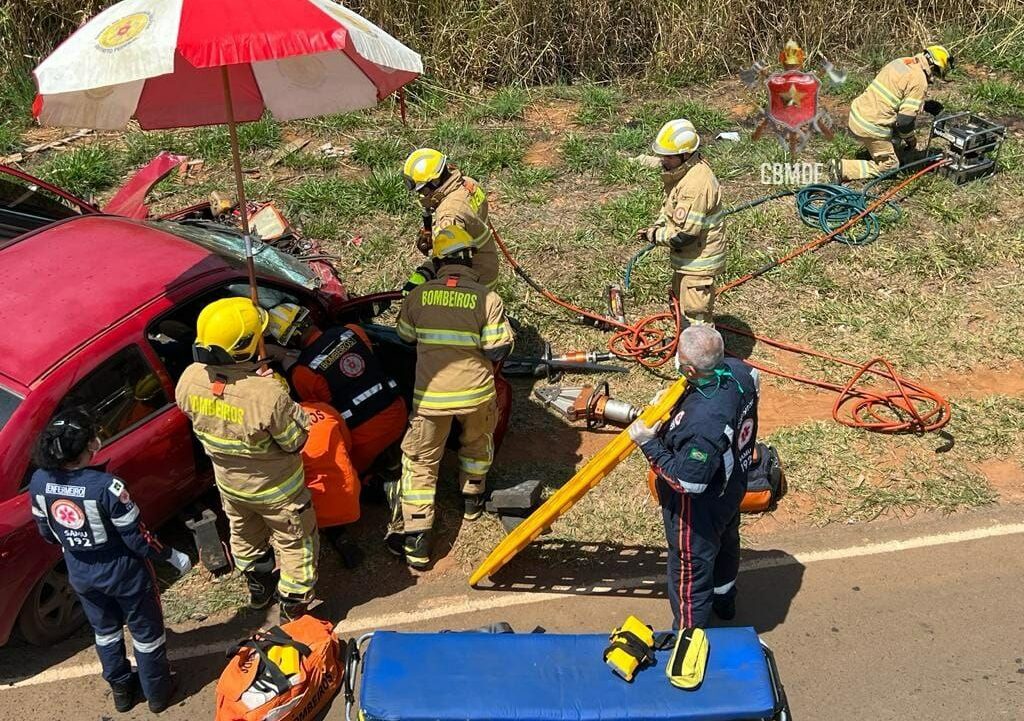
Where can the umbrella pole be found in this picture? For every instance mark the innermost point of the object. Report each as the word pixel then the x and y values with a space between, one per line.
pixel 243 206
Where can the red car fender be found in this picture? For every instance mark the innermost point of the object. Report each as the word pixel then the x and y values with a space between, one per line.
pixel 130 200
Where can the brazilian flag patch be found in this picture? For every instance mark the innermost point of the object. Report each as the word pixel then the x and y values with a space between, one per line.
pixel 698 455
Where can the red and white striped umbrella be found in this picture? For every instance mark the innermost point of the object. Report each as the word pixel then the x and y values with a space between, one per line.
pixel 163 63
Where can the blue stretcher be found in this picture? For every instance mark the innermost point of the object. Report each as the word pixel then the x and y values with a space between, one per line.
pixel 474 676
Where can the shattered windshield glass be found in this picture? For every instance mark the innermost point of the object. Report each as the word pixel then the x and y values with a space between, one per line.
pixel 229 244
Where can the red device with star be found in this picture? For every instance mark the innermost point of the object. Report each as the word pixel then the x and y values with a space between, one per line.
pixel 793 98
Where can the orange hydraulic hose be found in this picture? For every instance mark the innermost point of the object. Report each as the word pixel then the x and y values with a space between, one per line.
pixel 912 407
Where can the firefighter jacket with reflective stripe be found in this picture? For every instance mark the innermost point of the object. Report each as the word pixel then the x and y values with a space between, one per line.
pixel 461 201
pixel 898 89
pixel 708 442
pixel 90 514
pixel 358 386
pixel 690 223
pixel 250 427
pixel 454 322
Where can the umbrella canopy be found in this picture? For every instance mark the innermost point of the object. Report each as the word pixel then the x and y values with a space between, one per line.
pixel 162 62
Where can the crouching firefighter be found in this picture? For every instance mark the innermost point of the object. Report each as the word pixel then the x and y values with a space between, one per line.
pixel 701 459
pixel 253 432
pixel 882 118
pixel 690 223
pixel 109 554
pixel 460 331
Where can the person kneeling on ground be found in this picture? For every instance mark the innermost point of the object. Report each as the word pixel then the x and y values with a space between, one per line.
pixel 460 331
pixel 701 457
pixel 109 554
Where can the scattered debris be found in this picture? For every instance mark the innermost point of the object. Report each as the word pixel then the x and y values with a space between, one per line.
pixel 732 136
pixel 333 151
pixel 287 149
pixel 40 147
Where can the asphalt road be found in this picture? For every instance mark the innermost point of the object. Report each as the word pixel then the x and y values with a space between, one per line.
pixel 886 621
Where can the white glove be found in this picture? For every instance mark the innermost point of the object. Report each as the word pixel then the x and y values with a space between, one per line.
pixel 640 432
pixel 180 561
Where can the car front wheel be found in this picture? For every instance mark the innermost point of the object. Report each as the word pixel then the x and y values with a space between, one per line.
pixel 52 611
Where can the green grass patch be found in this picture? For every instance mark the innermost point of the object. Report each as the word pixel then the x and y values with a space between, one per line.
pixel 598 104
pixel 83 171
pixel 500 149
pixel 508 103
pixel 380 153
pixel 998 97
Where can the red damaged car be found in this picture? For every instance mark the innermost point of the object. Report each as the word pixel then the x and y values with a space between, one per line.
pixel 98 310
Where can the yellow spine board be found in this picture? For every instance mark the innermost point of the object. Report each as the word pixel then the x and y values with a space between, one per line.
pixel 566 497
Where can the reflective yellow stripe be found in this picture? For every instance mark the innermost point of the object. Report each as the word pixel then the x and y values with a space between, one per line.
pixel 886 94
pixel 706 221
pixel 453 399
pixel 289 436
pixel 232 446
pixel 912 103
pixel 869 129
pixel 494 332
pixel 286 490
pixel 711 261
pixel 405 331
pixel 305 584
pixel 440 336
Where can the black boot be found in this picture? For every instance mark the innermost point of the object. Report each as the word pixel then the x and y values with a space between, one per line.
pixel 293 608
pixel 261 588
pixel 417 549
pixel 126 694
pixel 473 507
pixel 395 543
pixel 159 705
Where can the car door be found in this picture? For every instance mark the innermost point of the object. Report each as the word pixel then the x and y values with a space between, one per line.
pixel 146 441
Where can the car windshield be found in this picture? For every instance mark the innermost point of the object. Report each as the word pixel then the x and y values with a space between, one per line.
pixel 229 244
pixel 8 402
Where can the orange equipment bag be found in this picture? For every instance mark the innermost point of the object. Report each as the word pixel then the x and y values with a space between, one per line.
pixel 766 482
pixel 331 477
pixel 253 687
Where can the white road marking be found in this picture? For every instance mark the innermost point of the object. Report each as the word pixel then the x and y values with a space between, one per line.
pixel 458 605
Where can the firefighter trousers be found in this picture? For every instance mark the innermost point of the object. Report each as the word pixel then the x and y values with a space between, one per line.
pixel 703 537
pixel 883 159
pixel 289 528
pixel 422 449
pixel 696 294
pixel 141 613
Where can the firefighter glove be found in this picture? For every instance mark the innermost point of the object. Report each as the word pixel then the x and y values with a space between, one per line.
pixel 647 235
pixel 640 432
pixel 180 561
pixel 424 241
pixel 933 107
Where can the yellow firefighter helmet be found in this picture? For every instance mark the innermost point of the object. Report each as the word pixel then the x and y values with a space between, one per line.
pixel 422 166
pixel 675 138
pixel 451 241
pixel 234 325
pixel 940 58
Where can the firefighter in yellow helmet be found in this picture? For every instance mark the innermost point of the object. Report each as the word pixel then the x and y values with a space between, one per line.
pixel 253 432
pixel 460 332
pixel 450 198
pixel 690 222
pixel 882 117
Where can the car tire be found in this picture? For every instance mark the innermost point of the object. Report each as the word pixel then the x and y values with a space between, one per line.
pixel 52 611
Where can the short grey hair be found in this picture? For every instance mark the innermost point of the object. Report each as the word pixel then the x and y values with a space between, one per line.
pixel 703 347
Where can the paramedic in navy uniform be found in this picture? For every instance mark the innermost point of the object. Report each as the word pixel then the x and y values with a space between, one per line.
pixel 108 552
pixel 700 458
